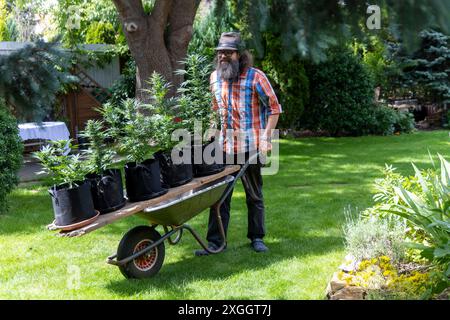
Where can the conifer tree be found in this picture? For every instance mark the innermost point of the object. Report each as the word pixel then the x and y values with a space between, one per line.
pixel 427 71
pixel 31 77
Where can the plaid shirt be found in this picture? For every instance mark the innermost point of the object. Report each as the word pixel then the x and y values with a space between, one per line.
pixel 243 106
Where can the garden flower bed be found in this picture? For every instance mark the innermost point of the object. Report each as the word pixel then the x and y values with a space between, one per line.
pixel 400 247
pixel 378 278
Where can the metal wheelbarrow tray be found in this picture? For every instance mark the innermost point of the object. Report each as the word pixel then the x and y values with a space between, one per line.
pixel 141 251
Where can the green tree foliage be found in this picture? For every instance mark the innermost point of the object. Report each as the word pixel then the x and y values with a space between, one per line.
pixel 309 27
pixel 101 32
pixel 76 19
pixel 375 56
pixel 31 77
pixel 11 149
pixel 20 20
pixel 207 30
pixel 3 17
pixel 427 71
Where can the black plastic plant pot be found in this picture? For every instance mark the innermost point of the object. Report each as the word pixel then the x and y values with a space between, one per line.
pixel 205 169
pixel 72 205
pixel 173 175
pixel 107 190
pixel 143 180
pixel 83 143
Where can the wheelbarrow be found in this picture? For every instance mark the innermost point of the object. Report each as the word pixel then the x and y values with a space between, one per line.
pixel 141 251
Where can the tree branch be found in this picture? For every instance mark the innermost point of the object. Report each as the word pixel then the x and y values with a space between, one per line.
pixel 160 13
pixel 129 8
pixel 179 32
pixel 131 13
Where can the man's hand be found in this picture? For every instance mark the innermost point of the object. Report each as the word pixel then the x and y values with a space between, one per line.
pixel 264 146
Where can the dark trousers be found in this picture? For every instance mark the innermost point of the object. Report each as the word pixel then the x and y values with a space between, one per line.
pixel 255 207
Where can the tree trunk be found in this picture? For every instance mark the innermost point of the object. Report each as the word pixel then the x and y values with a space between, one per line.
pixel 157 41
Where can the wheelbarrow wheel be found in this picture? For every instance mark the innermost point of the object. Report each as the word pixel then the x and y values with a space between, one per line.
pixel 134 241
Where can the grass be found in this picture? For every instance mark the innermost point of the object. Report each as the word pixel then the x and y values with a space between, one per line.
pixel 305 202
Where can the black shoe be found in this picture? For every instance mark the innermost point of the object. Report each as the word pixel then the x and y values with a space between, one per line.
pixel 211 246
pixel 258 245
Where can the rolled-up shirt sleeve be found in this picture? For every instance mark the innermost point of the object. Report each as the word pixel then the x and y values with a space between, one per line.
pixel 267 94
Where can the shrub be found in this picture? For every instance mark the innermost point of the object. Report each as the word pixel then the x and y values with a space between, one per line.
pixel 373 238
pixel 101 32
pixel 341 95
pixel 422 204
pixel 386 121
pixel 383 121
pixel 427 207
pixel 405 122
pixel 11 149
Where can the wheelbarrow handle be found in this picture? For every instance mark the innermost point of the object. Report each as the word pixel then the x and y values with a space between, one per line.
pixel 238 176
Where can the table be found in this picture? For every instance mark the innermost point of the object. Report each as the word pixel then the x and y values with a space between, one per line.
pixel 46 131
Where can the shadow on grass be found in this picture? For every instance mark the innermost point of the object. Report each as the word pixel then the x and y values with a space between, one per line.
pixel 176 277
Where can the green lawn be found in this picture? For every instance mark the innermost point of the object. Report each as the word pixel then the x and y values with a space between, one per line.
pixel 305 202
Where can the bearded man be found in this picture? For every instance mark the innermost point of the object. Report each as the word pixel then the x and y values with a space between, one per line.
pixel 248 110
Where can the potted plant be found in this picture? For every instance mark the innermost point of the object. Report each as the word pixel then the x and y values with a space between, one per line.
pixel 142 174
pixel 106 182
pixel 195 106
pixel 71 193
pixel 165 122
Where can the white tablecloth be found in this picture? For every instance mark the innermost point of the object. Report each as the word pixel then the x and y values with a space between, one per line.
pixel 47 130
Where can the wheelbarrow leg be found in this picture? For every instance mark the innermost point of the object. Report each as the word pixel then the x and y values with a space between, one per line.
pixel 216 208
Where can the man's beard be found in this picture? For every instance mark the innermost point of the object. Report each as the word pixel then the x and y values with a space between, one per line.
pixel 228 70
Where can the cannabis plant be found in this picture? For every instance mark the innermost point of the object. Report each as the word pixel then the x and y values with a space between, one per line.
pixel 138 132
pixel 99 155
pixel 165 117
pixel 194 102
pixel 114 116
pixel 64 168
